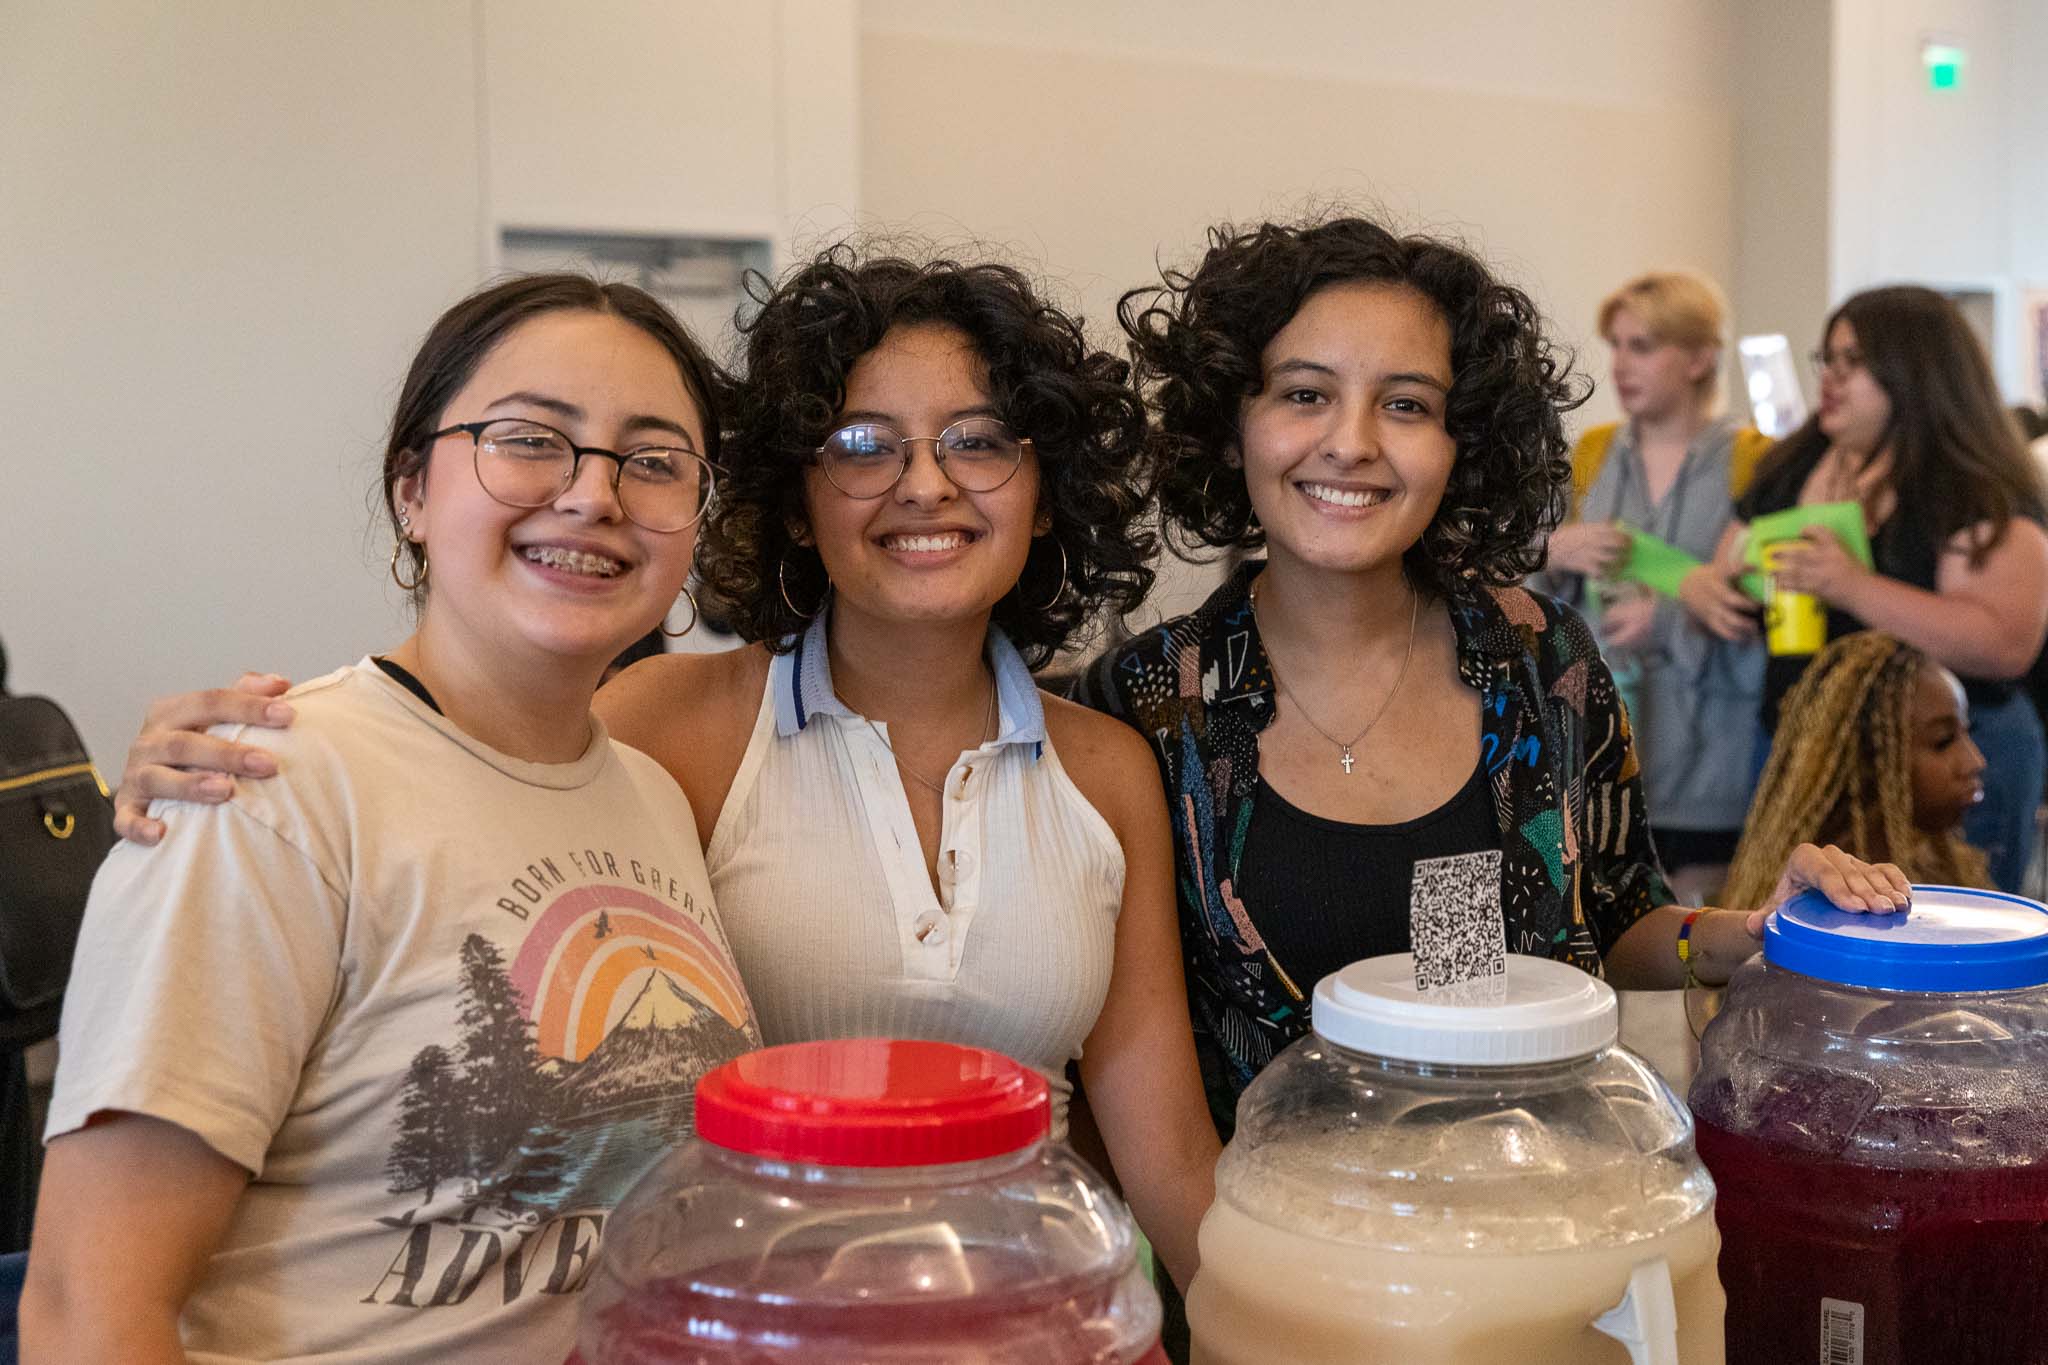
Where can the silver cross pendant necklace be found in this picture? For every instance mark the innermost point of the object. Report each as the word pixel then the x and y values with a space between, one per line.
pixel 1344 746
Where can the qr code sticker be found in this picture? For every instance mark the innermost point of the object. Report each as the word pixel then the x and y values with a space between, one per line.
pixel 1454 920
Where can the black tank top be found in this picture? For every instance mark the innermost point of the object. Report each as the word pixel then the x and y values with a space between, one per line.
pixel 1324 894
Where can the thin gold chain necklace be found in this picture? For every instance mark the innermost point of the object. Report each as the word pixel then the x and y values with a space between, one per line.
pixel 987 718
pixel 1344 746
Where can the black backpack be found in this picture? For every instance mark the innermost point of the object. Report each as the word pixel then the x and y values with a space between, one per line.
pixel 56 824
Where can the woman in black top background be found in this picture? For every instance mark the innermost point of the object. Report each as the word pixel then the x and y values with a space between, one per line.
pixel 1910 425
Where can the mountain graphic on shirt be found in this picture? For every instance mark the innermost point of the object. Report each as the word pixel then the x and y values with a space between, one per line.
pixel 665 1040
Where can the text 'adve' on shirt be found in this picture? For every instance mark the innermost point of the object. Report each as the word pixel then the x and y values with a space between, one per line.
pixel 446 1005
pixel 822 882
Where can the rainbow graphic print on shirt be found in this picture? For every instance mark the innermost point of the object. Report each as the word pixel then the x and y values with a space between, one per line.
pixel 570 1067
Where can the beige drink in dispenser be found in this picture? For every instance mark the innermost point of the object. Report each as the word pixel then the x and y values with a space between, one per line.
pixel 1477 1175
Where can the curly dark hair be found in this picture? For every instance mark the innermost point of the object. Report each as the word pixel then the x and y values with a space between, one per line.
pixel 1199 338
pixel 1076 404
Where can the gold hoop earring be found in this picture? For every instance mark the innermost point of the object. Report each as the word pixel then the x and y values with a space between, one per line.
pixel 397 550
pixel 694 613
pixel 1061 590
pixel 1211 501
pixel 782 586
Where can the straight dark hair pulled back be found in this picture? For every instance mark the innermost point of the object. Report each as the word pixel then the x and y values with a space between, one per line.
pixel 461 337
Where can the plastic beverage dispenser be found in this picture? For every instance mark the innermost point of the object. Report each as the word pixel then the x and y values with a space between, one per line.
pixel 1873 1103
pixel 1476 1174
pixel 875 1203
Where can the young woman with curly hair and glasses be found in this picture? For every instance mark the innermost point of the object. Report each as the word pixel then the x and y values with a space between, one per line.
pixel 931 483
pixel 1382 417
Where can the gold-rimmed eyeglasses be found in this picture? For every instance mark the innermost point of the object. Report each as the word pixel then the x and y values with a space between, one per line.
pixel 866 459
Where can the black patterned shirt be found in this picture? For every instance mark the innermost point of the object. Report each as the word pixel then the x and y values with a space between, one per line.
pixel 1577 867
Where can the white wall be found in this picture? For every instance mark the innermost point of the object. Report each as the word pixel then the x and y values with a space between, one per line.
pixel 1781 93
pixel 224 225
pixel 1920 183
pixel 729 119
pixel 2026 163
pixel 223 229
pixel 1940 187
pixel 2026 174
pixel 1575 144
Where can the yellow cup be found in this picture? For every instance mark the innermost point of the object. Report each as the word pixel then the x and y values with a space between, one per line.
pixel 1794 622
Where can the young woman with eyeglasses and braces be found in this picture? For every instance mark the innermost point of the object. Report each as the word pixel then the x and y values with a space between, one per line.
pixel 932 484
pixel 345 1062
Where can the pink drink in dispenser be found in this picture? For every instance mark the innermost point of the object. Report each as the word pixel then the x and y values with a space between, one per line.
pixel 871 1202
pixel 1873 1103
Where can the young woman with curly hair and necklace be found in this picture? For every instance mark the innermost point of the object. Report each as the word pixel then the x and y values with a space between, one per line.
pixel 1383 417
pixel 931 484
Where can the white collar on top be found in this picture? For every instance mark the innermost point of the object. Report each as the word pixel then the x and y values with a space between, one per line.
pixel 801 681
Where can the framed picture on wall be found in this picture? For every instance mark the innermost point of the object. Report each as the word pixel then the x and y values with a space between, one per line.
pixel 699 278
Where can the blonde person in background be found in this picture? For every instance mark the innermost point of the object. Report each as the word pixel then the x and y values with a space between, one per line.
pixel 1691 669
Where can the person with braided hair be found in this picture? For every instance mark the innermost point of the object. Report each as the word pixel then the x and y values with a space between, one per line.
pixel 1874 754
pixel 1375 706
pixel 1910 426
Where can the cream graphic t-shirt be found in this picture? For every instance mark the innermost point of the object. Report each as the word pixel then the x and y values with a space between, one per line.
pixel 443 1004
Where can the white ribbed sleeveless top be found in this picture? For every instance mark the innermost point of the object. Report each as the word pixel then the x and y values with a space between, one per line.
pixel 832 916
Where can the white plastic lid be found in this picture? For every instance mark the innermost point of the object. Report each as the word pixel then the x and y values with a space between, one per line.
pixel 1541 1011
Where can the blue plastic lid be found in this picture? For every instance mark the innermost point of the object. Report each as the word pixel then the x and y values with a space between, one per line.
pixel 1951 939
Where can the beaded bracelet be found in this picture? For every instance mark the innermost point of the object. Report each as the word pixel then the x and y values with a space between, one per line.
pixel 1685 947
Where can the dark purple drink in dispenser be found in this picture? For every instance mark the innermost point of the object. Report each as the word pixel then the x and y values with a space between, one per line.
pixel 1873 1104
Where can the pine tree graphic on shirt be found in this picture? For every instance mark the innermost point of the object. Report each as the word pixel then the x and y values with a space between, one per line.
pixel 430 1146
pixel 513 1135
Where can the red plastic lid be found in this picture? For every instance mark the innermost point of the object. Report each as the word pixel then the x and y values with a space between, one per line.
pixel 873 1102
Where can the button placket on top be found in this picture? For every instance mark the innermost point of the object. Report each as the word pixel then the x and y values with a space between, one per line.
pixel 931 929
pixel 960 836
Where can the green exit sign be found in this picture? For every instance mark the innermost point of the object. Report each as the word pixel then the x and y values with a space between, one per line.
pixel 1944 65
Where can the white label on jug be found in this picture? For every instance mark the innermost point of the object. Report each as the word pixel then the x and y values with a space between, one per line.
pixel 1841 1332
pixel 1454 920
